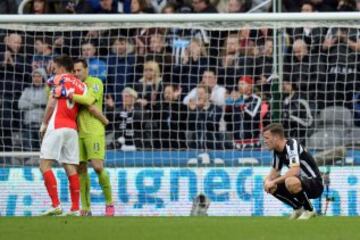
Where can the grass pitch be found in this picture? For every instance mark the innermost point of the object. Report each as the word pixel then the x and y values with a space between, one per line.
pixel 184 228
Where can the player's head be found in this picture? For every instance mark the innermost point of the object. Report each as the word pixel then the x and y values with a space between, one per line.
pixel 81 69
pixel 63 64
pixel 274 135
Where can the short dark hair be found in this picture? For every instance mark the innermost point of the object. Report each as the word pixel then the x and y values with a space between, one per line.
pixel 44 39
pixel 173 86
pixel 65 62
pixel 82 61
pixel 275 128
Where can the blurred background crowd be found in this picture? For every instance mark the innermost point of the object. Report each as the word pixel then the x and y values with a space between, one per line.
pixel 178 88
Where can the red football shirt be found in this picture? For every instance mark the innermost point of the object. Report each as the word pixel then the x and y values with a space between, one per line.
pixel 65 113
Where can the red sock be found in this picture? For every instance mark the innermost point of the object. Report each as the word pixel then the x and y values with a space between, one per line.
pixel 51 187
pixel 74 191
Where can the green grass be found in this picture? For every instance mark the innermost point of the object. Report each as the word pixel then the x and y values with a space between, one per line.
pixel 184 228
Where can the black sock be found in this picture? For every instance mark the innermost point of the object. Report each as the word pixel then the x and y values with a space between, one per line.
pixel 286 197
pixel 304 200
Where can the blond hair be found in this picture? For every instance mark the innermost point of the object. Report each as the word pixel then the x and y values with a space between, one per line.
pixel 155 66
pixel 131 92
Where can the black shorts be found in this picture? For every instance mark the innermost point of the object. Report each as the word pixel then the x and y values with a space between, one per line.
pixel 312 186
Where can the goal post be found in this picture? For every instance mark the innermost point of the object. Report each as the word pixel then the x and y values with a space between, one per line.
pixel 187 96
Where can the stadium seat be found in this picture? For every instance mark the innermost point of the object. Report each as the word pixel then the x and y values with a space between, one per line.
pixel 353 136
pixel 336 115
pixel 326 139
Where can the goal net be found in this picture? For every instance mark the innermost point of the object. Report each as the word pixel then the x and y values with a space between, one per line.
pixel 187 102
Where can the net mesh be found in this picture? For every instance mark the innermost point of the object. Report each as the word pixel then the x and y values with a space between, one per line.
pixel 189 101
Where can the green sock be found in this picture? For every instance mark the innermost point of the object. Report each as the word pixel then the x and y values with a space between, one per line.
pixel 85 191
pixel 104 182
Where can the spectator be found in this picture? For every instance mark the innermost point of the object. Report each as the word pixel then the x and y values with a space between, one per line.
pixel 302 68
pixel 130 134
pixel 346 6
pixel 97 67
pixel 203 121
pixel 217 93
pixel 229 61
pixel 192 65
pixel 358 5
pixel 242 114
pixel 8 7
pixel 158 52
pixel 149 86
pixel 138 6
pixel 235 6
pixel 43 54
pixel 107 7
pixel 121 64
pixel 342 46
pixel 248 51
pixel 307 7
pixel 49 7
pixel 171 116
pixel 264 63
pixel 79 7
pixel 32 103
pixel 169 8
pixel 13 79
pixel 296 113
pixel 36 7
pixel 313 37
pixel 203 6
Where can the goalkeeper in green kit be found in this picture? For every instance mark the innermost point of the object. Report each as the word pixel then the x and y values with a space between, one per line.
pixel 92 141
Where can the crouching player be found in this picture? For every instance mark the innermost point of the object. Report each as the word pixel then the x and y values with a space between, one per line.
pixel 301 182
pixel 60 137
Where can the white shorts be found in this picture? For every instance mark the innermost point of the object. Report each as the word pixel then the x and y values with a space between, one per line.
pixel 61 145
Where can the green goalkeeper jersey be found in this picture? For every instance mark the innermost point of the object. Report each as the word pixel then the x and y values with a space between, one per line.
pixel 87 123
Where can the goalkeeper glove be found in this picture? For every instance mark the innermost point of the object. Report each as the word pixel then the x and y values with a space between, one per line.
pixel 61 91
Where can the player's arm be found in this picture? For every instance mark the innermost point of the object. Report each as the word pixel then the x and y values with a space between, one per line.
pixel 292 172
pixel 50 107
pixel 86 99
pixel 273 174
pixel 294 166
pixel 98 114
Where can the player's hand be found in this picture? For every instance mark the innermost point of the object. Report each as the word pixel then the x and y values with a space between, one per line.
pixel 106 122
pixel 42 131
pixel 270 186
pixel 61 91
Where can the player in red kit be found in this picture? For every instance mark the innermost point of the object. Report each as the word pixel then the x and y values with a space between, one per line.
pixel 60 137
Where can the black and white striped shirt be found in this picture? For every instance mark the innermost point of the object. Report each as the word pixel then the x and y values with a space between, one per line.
pixel 294 154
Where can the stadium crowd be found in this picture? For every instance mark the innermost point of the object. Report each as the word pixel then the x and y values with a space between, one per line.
pixel 170 88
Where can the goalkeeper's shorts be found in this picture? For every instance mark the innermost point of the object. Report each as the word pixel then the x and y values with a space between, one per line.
pixel 61 145
pixel 92 147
